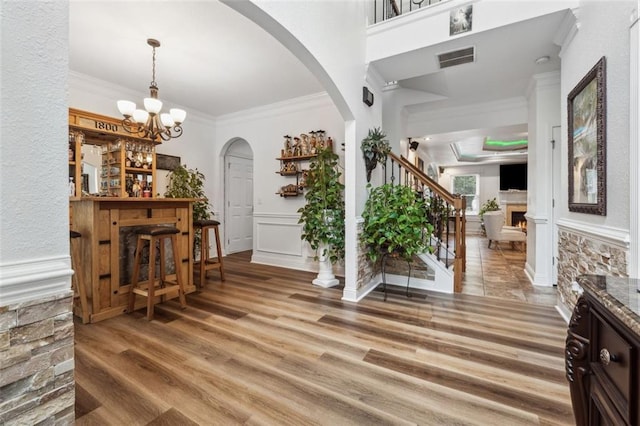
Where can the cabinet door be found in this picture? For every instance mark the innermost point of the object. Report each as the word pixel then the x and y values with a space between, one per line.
pixel 601 409
pixel 611 363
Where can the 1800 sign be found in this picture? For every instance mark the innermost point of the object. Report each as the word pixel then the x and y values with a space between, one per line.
pixel 109 127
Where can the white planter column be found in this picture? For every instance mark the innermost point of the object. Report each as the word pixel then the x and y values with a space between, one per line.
pixel 325 277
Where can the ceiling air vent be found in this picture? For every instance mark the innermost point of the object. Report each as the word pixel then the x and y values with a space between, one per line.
pixel 457 57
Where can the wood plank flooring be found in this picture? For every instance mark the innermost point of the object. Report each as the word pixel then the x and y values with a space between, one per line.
pixel 266 347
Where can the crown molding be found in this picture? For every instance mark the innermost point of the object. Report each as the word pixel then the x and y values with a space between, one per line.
pixel 290 106
pixel 567 30
pixel 466 110
pixel 545 80
pixel 106 89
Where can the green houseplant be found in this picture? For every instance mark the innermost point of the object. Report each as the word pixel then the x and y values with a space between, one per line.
pixel 323 214
pixel 375 148
pixel 189 183
pixel 395 222
pixel 488 206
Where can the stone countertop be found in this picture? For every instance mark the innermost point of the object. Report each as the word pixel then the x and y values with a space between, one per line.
pixel 621 296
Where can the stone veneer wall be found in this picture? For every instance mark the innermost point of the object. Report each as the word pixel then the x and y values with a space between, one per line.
pixel 36 362
pixel 366 270
pixel 579 255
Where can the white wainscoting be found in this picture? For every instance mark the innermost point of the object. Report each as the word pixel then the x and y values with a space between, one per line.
pixel 277 242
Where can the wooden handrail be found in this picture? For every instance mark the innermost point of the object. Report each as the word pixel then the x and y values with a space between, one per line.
pixel 432 184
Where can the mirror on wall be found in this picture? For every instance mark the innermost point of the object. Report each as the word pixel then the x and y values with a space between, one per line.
pixel 91 161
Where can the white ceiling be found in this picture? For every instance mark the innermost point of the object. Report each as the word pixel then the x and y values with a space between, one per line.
pixel 215 61
pixel 211 58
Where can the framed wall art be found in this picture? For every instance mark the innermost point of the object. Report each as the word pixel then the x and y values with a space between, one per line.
pixel 460 20
pixel 167 162
pixel 587 129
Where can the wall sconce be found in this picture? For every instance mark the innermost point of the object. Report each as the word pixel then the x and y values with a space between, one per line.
pixel 367 96
pixel 413 145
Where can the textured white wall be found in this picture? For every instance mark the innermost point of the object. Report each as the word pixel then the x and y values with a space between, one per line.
pixel 34 212
pixel 34 134
pixel 264 129
pixel 603 31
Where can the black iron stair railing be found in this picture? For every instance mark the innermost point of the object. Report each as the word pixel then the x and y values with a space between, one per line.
pixel 388 9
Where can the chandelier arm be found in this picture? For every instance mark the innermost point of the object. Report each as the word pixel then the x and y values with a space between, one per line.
pixel 178 129
pixel 130 126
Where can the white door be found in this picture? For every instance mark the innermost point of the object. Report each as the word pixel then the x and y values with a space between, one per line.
pixel 239 197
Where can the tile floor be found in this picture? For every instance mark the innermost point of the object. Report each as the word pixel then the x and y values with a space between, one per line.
pixel 499 272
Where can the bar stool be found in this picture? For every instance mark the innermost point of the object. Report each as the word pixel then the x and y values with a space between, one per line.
pixel 151 289
pixel 77 280
pixel 208 263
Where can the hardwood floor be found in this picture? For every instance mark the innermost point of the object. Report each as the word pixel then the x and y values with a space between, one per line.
pixel 499 272
pixel 267 347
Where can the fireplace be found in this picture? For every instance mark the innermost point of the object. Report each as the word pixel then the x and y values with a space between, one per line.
pixel 515 214
pixel 518 219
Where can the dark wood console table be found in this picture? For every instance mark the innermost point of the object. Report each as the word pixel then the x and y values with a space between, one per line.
pixel 602 352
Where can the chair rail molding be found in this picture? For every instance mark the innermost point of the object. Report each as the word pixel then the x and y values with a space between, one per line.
pixel 614 236
pixel 37 279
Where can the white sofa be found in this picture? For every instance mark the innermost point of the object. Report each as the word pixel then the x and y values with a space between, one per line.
pixel 494 225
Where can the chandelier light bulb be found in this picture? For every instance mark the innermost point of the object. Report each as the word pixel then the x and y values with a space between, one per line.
pixel 178 115
pixel 126 108
pixel 166 119
pixel 153 106
pixel 140 116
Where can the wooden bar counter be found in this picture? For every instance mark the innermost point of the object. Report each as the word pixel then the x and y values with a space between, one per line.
pixel 107 225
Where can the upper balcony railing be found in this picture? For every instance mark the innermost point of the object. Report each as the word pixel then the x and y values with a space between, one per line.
pixel 387 9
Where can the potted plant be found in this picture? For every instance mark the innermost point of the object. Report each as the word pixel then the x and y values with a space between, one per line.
pixel 395 222
pixel 375 148
pixel 189 183
pixel 323 215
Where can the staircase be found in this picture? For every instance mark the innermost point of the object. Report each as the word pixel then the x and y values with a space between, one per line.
pixel 446 258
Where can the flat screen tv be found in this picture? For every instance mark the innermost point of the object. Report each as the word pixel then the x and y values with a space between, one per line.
pixel 513 176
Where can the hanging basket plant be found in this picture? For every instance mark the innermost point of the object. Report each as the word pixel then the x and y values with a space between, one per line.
pixel 395 222
pixel 375 148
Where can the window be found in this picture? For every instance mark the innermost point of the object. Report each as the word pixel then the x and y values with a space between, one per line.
pixel 467 186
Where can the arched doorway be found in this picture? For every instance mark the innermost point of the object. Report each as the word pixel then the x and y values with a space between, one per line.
pixel 238 196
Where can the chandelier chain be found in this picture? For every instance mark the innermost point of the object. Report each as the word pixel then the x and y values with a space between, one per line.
pixel 153 68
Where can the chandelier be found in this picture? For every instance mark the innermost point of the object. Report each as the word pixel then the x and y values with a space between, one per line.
pixel 148 122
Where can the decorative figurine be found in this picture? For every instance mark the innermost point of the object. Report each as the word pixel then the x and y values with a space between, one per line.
pixel 320 136
pixel 287 146
pixel 136 188
pixel 304 144
pixel 296 147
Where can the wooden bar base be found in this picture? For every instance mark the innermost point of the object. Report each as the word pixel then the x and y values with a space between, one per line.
pixel 108 229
